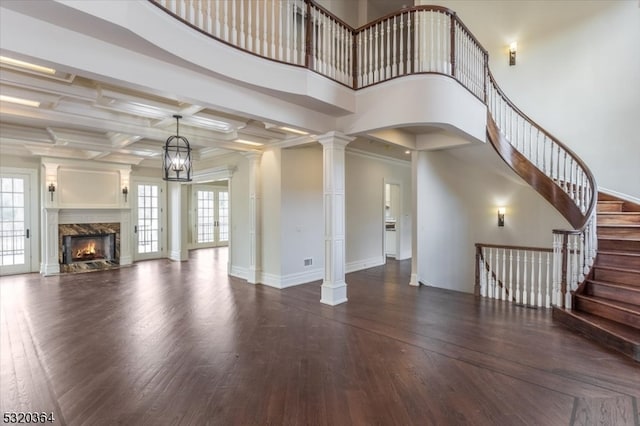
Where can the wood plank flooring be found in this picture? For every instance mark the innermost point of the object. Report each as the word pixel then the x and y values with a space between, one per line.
pixel 165 343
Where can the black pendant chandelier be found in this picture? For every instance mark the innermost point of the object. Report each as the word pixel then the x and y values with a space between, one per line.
pixel 176 159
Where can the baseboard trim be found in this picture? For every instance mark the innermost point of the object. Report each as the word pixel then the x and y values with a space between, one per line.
pixel 239 272
pixel 290 280
pixel 359 265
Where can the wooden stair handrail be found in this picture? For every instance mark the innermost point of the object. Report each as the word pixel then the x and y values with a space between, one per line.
pixel 538 180
pixel 544 185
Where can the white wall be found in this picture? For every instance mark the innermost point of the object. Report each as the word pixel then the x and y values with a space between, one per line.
pixel 271 200
pixel 302 211
pixel 459 193
pixel 345 10
pixel 576 74
pixel 364 180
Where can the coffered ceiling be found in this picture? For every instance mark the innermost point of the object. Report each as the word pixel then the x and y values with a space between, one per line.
pixel 46 112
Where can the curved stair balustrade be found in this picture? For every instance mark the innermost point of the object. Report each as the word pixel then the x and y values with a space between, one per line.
pixel 556 173
pixel 415 40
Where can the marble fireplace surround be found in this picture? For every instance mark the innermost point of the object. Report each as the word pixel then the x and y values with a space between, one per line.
pixel 60 222
pixel 88 229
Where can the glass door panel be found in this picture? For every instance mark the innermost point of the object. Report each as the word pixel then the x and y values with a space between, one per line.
pixel 15 256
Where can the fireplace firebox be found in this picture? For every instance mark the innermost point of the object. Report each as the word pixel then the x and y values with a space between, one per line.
pixel 88 248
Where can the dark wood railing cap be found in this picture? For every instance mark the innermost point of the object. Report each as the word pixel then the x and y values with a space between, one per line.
pixel 503 246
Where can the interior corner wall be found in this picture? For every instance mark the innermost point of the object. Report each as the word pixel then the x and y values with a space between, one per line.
pixel 458 204
pixel 302 215
pixel 576 74
pixel 271 200
pixel 364 205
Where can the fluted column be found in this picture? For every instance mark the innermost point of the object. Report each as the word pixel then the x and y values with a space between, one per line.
pixel 255 235
pixel 334 287
pixel 50 262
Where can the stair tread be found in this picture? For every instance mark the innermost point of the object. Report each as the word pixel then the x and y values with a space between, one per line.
pixel 618 225
pixel 609 202
pixel 621 213
pixel 617 238
pixel 620 253
pixel 629 307
pixel 617 268
pixel 616 285
pixel 621 330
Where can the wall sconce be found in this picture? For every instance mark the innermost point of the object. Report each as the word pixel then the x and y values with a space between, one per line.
pixel 513 47
pixel 52 189
pixel 125 192
pixel 501 211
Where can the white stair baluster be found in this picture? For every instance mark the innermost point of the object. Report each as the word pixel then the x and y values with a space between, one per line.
pixel 511 275
pixel 518 299
pixel 250 43
pixel 539 279
pixel 503 277
pixel 524 279
pixel 547 288
pixel 532 294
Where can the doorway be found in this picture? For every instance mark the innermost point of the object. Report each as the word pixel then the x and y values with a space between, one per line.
pixel 391 227
pixel 16 222
pixel 210 215
pixel 149 218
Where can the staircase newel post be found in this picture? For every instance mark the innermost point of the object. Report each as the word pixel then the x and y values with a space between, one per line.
pixel 563 282
pixel 476 288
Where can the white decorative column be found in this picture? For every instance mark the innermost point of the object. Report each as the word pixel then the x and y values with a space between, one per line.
pixel 178 220
pixel 50 263
pixel 414 281
pixel 255 236
pixel 334 287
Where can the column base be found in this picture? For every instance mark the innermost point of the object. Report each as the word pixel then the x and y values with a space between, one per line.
pixel 333 294
pixel 414 280
pixel 253 276
pixel 47 270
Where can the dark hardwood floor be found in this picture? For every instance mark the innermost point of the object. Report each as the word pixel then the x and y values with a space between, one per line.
pixel 164 343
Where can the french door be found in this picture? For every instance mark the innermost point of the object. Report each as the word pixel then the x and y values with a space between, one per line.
pixel 15 223
pixel 211 214
pixel 149 220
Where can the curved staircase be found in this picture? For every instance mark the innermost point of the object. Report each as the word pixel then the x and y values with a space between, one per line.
pixel 606 307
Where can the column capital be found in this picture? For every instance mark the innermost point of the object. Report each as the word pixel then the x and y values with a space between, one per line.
pixel 335 138
pixel 252 155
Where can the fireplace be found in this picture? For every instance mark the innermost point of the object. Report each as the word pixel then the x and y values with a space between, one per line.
pixel 88 248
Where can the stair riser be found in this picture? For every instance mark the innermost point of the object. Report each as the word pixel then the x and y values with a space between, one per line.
pixel 619 294
pixel 609 207
pixel 619 245
pixel 619 219
pixel 629 262
pixel 622 231
pixel 609 312
pixel 620 277
pixel 601 336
